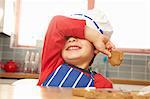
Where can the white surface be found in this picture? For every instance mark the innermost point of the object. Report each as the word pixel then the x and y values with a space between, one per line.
pixel 147 88
pixel 25 82
pixel 128 87
pixel 7 81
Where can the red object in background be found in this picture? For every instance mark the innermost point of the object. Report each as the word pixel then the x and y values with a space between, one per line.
pixel 10 66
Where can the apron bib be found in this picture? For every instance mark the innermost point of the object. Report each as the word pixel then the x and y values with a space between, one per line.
pixel 67 76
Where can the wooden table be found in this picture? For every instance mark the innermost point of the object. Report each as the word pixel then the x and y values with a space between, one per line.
pixel 18 75
pixel 35 92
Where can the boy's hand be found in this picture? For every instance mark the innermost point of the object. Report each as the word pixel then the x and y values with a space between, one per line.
pixel 110 46
pixel 104 45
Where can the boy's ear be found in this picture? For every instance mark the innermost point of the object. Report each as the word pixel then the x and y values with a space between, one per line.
pixel 96 51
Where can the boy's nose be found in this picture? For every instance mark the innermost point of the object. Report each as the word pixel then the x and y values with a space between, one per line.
pixel 72 39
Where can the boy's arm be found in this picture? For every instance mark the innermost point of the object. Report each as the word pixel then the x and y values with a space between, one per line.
pixel 100 41
pixel 59 28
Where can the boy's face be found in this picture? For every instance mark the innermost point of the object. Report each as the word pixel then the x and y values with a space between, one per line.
pixel 78 51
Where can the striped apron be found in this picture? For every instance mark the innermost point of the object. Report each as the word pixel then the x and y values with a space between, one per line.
pixel 68 76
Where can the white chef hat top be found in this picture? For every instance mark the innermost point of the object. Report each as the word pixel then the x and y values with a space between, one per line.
pixel 97 20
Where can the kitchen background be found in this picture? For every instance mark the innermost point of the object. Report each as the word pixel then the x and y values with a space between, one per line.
pixel 134 66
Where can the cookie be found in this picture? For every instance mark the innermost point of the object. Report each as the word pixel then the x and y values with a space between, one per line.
pixel 78 92
pixel 106 94
pixel 116 57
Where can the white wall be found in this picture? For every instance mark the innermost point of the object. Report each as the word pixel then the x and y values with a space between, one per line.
pixel 130 20
pixel 1 14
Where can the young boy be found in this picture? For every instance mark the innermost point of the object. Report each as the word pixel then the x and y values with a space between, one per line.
pixel 69 48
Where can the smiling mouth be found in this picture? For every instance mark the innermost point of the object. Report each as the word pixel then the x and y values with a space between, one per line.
pixel 73 48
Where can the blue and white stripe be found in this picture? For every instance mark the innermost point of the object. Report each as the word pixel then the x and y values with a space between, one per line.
pixel 53 76
pixel 79 77
pixel 66 76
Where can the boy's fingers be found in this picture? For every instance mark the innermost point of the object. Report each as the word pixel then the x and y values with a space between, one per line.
pixel 96 52
pixel 110 45
pixel 106 52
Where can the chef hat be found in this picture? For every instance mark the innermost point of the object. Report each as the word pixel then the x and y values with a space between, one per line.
pixel 97 20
